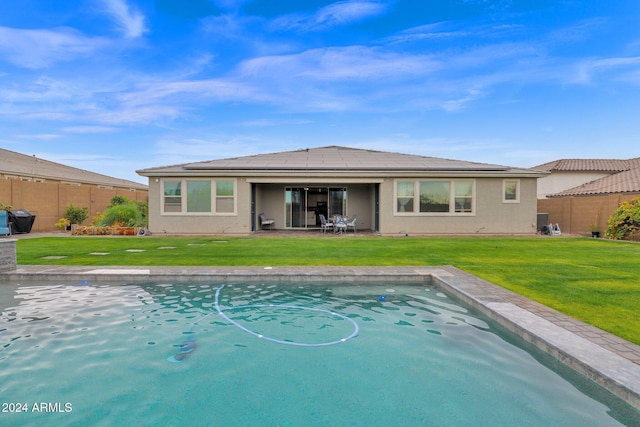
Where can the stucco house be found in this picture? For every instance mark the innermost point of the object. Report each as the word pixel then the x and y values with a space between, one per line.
pixel 46 188
pixel 390 193
pixel 565 174
pixel 581 194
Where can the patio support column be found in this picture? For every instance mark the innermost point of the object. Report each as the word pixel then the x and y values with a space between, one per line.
pixel 8 257
pixel 253 207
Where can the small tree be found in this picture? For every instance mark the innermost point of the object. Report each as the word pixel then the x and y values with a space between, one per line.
pixel 118 200
pixel 624 223
pixel 76 214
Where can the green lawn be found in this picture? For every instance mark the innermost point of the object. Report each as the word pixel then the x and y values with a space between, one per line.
pixel 594 280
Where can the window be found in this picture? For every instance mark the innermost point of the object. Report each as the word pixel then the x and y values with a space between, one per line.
pixel 199 196
pixel 225 198
pixel 511 191
pixel 435 197
pixel 338 201
pixel 172 196
pixel 463 196
pixel 404 196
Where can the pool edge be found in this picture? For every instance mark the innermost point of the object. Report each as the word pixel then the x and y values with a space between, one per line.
pixel 596 354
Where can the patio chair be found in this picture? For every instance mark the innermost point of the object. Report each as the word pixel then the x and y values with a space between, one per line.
pixel 340 225
pixel 324 224
pixel 352 224
pixel 554 230
pixel 5 225
pixel 264 221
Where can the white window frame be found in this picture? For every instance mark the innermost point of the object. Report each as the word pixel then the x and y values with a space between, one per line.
pixel 452 197
pixel 214 197
pixel 504 191
pixel 183 197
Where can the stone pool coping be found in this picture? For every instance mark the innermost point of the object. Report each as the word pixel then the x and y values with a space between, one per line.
pixel 610 361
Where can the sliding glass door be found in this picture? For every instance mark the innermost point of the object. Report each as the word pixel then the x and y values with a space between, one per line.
pixel 295 201
pixel 337 201
pixel 303 205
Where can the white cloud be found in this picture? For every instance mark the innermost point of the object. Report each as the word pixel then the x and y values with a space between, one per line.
pixel 190 92
pixel 42 89
pixel 337 14
pixel 89 129
pixel 578 32
pixel 472 149
pixel 113 166
pixel 130 22
pixel 41 137
pixel 459 103
pixel 134 115
pixel 172 150
pixel 341 63
pixel 587 70
pixel 274 122
pixel 435 31
pixel 40 48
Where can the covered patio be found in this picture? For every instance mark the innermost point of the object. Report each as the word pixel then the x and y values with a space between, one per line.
pixel 300 205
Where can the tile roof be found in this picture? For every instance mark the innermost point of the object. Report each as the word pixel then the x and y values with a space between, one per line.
pixel 12 163
pixel 624 175
pixel 589 165
pixel 622 182
pixel 332 159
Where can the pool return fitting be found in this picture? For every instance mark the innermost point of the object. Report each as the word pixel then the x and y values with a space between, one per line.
pixel 188 345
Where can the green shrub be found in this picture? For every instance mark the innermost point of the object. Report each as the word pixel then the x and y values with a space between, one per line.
pixel 76 214
pixel 123 215
pixel 143 207
pixel 624 223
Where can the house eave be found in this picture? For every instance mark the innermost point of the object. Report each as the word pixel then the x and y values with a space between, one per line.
pixel 338 173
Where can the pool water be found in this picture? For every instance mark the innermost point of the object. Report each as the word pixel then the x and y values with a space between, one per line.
pixel 88 354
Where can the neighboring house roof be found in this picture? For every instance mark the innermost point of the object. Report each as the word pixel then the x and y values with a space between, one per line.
pixel 622 182
pixel 624 175
pixel 333 160
pixel 589 165
pixel 24 166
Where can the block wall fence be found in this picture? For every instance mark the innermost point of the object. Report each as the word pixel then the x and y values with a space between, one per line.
pixel 576 214
pixel 48 200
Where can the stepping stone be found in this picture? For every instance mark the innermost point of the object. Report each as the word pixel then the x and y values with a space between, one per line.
pixel 167 247
pixel 54 257
pixel 99 253
pixel 135 250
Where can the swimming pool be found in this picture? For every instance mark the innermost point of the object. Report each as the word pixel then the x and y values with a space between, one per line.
pixel 90 354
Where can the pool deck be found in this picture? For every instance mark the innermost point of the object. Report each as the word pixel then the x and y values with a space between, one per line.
pixel 608 360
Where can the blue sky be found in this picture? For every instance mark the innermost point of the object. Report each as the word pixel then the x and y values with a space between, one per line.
pixel 112 86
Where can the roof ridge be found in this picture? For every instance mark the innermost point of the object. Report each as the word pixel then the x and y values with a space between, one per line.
pixel 333 158
pixel 589 164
